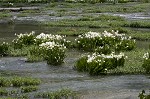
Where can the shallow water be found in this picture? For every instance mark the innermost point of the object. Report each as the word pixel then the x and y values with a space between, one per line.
pixel 57 77
pixel 98 87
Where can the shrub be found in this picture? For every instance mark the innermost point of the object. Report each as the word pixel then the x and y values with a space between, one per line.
pixel 92 40
pixel 53 52
pixel 96 64
pixel 4 49
pixel 146 63
pixel 24 40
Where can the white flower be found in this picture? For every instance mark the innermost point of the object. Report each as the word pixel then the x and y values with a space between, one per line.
pixel 146 56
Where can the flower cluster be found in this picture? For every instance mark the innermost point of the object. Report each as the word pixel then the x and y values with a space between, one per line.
pixel 48 37
pixel 146 56
pixel 97 64
pixel 53 52
pixel 51 45
pixel 92 40
pixel 24 39
pixel 42 38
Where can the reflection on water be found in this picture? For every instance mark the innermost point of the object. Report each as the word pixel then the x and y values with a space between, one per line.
pixel 7 32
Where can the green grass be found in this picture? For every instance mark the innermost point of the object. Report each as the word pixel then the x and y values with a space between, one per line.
pixel 28 89
pixel 60 94
pixel 141 35
pixel 4 15
pixel 18 81
pixel 102 17
pixel 133 63
pixel 18 52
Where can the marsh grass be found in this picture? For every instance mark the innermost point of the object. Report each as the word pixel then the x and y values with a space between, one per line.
pixel 102 17
pixel 5 15
pixel 18 52
pixel 133 63
pixel 138 24
pixel 28 89
pixel 17 87
pixel 34 54
pixel 140 35
pixel 18 81
pixel 60 94
pixel 3 92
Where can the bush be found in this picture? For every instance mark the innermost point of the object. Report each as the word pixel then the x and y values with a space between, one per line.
pixel 146 63
pixel 92 40
pixel 96 64
pixel 4 49
pixel 24 40
pixel 54 53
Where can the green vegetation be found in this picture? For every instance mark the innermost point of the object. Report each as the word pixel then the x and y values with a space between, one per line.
pixel 133 63
pixel 18 81
pixel 143 95
pixel 4 49
pixel 4 15
pixel 30 88
pixel 15 87
pixel 61 94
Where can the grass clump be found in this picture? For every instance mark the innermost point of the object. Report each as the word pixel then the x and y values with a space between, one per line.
pixel 102 17
pixel 27 89
pixel 4 15
pixel 138 24
pixel 146 63
pixel 4 49
pixel 18 81
pixel 34 54
pixel 133 63
pixel 4 82
pixel 3 92
pixel 61 94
